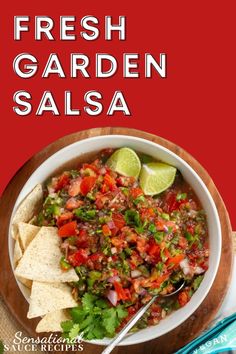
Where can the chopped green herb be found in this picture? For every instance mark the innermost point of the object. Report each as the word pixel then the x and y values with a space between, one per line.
pixel 132 217
pixel 85 215
pixel 181 196
pixel 165 216
pixel 94 319
pixel 152 228
pixel 158 236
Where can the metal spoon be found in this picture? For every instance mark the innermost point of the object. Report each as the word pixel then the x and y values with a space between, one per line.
pixel 134 319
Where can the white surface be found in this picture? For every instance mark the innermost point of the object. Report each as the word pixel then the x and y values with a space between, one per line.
pixel 158 152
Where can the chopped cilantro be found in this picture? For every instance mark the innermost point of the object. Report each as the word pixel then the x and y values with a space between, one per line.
pixel 158 236
pixel 94 318
pixel 152 228
pixel 139 199
pixel 165 216
pixel 85 215
pixel 132 217
pixel 181 196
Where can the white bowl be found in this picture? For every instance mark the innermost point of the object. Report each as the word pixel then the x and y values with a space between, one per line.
pixel 158 152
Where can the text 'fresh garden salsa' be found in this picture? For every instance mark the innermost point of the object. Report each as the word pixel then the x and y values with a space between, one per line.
pixel 124 245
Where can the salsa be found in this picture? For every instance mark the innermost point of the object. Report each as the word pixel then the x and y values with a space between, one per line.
pixel 126 246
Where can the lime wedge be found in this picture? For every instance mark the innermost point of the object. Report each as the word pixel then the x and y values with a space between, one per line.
pixel 156 177
pixel 126 162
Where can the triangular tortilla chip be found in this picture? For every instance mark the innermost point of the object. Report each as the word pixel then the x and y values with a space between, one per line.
pixel 17 253
pixel 41 260
pixel 49 297
pixel 52 321
pixel 27 233
pixel 26 282
pixel 27 208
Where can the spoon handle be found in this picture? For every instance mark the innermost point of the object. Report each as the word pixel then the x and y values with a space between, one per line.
pixel 128 326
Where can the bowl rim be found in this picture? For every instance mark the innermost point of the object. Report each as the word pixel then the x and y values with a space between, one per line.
pixel 20 197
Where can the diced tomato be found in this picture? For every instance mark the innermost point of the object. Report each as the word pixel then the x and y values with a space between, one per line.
pixel 155 308
pixel 142 245
pixel 87 184
pixel 183 243
pixel 157 283
pixel 100 200
pixel 131 310
pixel 114 231
pixel 160 225
pixel 183 298
pixel 98 256
pixel 91 166
pixel 173 262
pixel 74 188
pixel 62 181
pixel 78 258
pixel 172 203
pixel 154 248
pixel 64 217
pixel 115 258
pixel 118 242
pixel 125 181
pixel 72 203
pixel 68 229
pixel 106 230
pixel 136 192
pixel 136 259
pixel 104 188
pixel 122 293
pixel 109 181
pixel 131 237
pixel 118 220
pixel 147 213
pixel 190 229
pixel 82 240
pixel 167 253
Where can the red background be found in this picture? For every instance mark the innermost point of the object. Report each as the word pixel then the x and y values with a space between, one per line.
pixel 194 107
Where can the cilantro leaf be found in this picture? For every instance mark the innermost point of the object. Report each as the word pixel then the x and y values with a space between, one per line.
pixel 132 217
pixel 88 301
pixel 94 318
pixel 110 320
pixel 67 325
pixel 74 331
pixel 121 312
pixel 78 314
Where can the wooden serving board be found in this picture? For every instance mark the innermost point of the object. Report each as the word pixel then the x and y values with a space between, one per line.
pixel 173 340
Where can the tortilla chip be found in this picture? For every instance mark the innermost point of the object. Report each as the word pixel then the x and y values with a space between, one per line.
pixel 41 260
pixel 25 282
pixel 52 321
pixel 49 297
pixel 27 233
pixel 17 253
pixel 27 208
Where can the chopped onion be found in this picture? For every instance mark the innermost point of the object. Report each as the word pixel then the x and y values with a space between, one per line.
pixel 165 228
pixel 185 266
pixel 199 270
pixel 102 171
pixel 111 224
pixel 135 273
pixel 113 250
pixel 114 278
pixel 112 297
pixel 142 291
